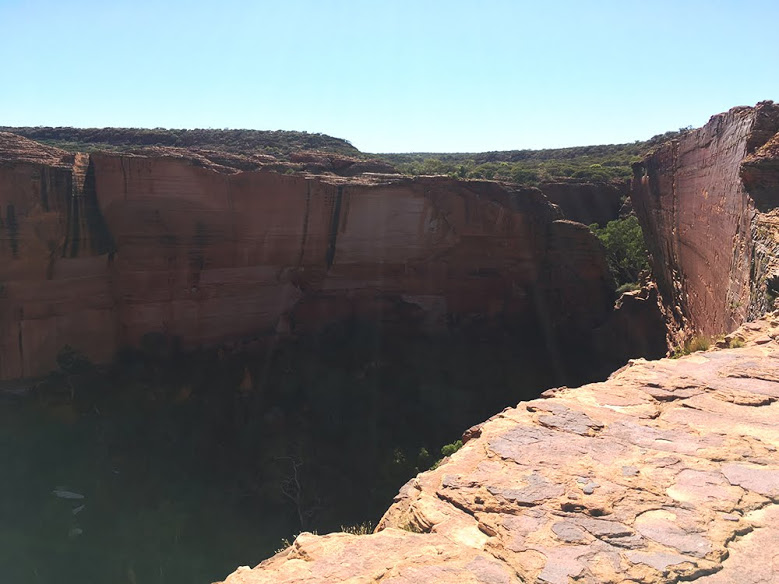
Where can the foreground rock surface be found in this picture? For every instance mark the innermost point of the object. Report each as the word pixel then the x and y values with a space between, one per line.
pixel 668 471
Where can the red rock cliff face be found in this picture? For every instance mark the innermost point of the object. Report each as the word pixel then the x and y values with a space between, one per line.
pixel 54 284
pixel 696 200
pixel 96 251
pixel 591 202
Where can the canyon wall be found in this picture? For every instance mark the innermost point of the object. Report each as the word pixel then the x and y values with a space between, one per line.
pixel 587 202
pixel 98 250
pixel 705 204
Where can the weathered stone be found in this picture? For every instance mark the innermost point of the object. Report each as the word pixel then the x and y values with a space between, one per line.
pixel 562 563
pixel 537 489
pixel 569 531
pixel 696 487
pixel 761 480
pixel 753 558
pixel 563 418
pixel 660 526
pixel 604 528
pixel 659 561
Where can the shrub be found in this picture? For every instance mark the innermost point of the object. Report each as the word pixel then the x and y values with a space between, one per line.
pixel 364 528
pixel 692 345
pixel 524 175
pixel 698 343
pixel 735 343
pixel 424 460
pixel 449 449
pixel 625 249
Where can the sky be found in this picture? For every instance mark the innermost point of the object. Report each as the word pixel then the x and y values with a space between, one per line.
pixel 390 76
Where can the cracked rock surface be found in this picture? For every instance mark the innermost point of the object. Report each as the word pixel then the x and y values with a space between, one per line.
pixel 667 471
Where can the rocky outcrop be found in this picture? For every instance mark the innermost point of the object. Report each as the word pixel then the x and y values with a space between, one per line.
pixel 17 150
pixel 587 202
pixel 704 204
pixel 668 471
pixel 98 250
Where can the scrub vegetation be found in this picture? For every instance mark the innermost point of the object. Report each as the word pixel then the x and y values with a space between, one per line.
pixel 587 163
pixel 278 143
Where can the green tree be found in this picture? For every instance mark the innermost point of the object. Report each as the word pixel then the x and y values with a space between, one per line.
pixel 625 249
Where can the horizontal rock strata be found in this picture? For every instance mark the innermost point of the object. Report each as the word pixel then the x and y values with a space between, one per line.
pixel 668 471
pixel 98 250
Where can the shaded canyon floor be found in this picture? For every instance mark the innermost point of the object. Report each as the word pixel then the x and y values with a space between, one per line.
pixel 175 467
pixel 666 472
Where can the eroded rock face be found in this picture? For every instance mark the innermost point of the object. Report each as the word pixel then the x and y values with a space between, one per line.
pixel 587 202
pixel 702 202
pixel 98 250
pixel 637 326
pixel 668 471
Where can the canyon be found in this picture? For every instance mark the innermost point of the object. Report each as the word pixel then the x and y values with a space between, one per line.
pixel 363 282
pixel 667 471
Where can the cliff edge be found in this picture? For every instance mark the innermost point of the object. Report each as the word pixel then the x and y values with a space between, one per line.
pixel 667 471
pixel 98 250
pixel 706 206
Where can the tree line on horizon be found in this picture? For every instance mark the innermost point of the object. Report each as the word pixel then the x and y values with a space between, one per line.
pixel 605 162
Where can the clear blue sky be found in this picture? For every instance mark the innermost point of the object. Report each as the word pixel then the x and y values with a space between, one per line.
pixel 390 76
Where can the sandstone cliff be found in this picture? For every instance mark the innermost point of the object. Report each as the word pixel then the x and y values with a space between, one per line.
pixel 704 202
pixel 668 471
pixel 587 202
pixel 98 250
